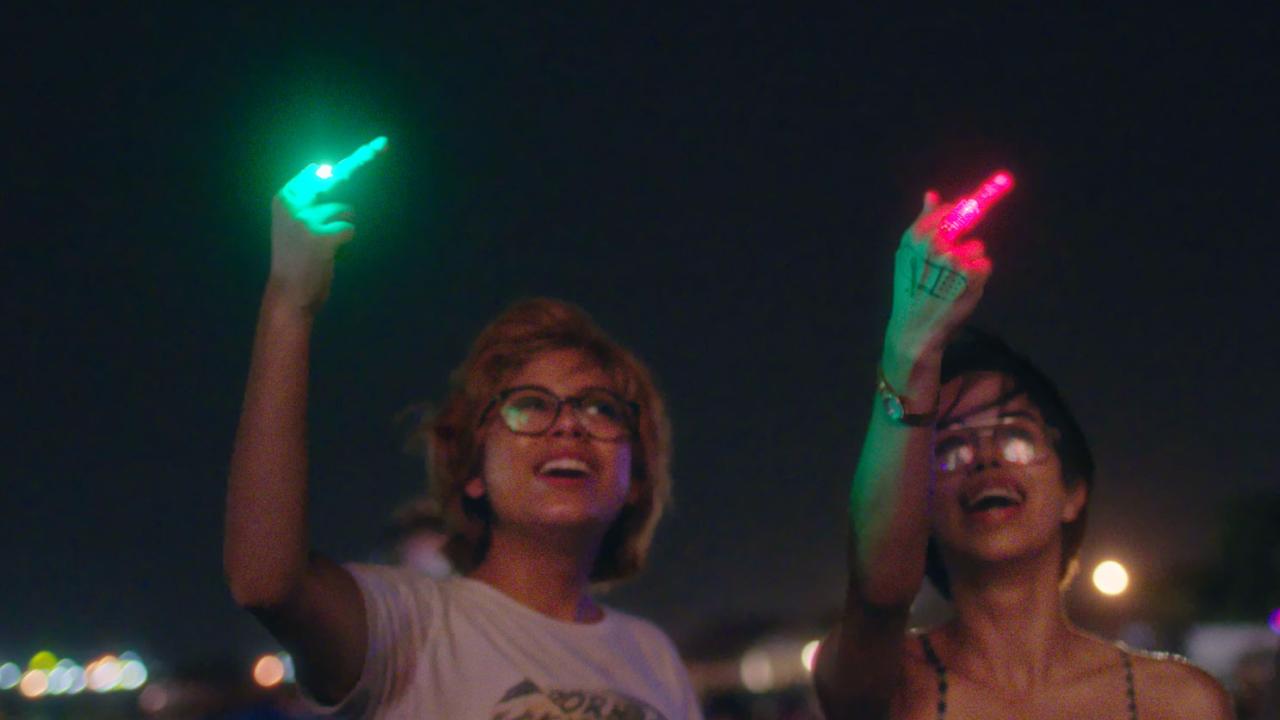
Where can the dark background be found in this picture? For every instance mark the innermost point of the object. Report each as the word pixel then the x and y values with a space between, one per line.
pixel 722 187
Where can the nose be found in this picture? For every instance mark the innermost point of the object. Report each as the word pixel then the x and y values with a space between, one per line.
pixel 985 453
pixel 567 422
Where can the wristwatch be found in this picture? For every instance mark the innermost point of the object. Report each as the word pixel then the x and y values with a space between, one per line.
pixel 895 405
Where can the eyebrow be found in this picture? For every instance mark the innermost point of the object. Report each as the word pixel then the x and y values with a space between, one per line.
pixel 576 394
pixel 959 422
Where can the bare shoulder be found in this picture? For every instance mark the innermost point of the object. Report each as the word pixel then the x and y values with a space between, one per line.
pixel 1169 686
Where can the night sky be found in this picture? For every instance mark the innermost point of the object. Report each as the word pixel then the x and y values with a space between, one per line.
pixel 722 188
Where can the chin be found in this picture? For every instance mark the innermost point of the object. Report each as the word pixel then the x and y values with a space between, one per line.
pixel 574 516
pixel 998 549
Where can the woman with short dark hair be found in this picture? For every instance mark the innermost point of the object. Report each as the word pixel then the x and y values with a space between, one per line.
pixel 975 472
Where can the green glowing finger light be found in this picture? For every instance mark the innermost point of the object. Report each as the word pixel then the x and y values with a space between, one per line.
pixel 358 159
pixel 318 178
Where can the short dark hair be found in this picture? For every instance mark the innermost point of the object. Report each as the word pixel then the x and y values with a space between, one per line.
pixel 973 351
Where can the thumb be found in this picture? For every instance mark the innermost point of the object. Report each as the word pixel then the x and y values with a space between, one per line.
pixel 930 204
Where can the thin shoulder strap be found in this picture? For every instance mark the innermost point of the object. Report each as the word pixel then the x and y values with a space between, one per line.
pixel 936 663
pixel 1128 680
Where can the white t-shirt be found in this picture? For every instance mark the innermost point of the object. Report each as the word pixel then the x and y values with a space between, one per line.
pixel 457 649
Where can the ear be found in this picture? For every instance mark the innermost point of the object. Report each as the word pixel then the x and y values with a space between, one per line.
pixel 474 488
pixel 1075 501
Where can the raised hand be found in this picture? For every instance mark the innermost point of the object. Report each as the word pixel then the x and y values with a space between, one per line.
pixel 939 275
pixel 306 233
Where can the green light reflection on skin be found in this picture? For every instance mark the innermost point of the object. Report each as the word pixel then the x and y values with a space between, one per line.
pixel 317 178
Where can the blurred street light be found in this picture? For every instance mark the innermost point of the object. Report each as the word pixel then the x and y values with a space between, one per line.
pixel 1110 578
pixel 268 671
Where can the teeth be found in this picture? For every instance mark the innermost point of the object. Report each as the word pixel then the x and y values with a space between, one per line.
pixel 995 492
pixel 564 464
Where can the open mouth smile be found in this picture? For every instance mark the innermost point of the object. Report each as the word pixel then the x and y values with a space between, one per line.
pixel 565 471
pixel 992 501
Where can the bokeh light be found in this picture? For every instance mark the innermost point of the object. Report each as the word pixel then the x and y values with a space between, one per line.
pixel 34 684
pixel 268 671
pixel 133 675
pixel 154 699
pixel 1274 621
pixel 76 674
pixel 50 676
pixel 809 654
pixel 10 676
pixel 103 675
pixel 1110 578
pixel 756 671
pixel 43 660
pixel 59 680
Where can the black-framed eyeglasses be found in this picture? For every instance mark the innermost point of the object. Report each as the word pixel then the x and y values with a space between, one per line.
pixel 533 410
pixel 1014 440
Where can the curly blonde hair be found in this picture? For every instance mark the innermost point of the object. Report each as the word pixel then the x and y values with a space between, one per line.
pixel 454 449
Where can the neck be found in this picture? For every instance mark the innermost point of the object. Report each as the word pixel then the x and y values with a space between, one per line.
pixel 1010 628
pixel 549 577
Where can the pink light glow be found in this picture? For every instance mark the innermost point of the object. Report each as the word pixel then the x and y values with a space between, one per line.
pixel 970 209
pixel 1274 621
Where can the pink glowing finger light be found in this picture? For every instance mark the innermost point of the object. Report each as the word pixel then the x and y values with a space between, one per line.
pixel 970 209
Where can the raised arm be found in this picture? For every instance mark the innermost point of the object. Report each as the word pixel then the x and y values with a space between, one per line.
pixel 310 604
pixel 937 283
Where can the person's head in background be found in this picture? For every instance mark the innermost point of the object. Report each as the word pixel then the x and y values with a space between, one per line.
pixel 416 537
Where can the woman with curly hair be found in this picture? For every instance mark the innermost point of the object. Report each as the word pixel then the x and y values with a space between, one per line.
pixel 549 458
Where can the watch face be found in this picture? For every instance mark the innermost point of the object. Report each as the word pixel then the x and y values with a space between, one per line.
pixel 893 407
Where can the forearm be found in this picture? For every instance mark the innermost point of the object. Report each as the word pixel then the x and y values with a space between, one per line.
pixel 888 501
pixel 860 663
pixel 266 545
pixel 937 285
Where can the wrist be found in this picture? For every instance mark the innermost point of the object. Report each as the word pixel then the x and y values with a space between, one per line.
pixel 911 369
pixel 917 409
pixel 282 306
